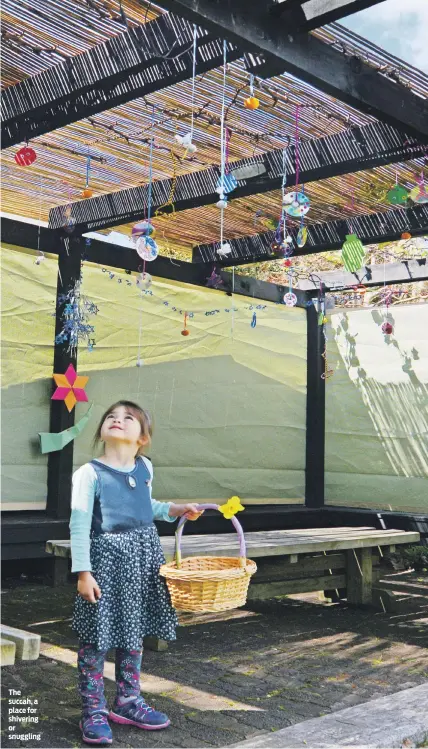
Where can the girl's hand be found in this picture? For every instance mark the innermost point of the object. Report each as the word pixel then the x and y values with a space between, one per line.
pixel 88 587
pixel 189 511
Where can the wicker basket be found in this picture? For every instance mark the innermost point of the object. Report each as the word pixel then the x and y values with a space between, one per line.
pixel 208 584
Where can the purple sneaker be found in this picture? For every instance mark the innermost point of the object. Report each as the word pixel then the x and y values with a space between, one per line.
pixel 96 730
pixel 138 713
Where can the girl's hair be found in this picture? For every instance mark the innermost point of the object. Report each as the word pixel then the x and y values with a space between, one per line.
pixel 139 413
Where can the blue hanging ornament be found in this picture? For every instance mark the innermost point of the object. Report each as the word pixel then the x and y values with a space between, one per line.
pixel 254 320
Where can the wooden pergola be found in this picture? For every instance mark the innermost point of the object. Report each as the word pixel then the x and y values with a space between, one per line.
pixel 364 121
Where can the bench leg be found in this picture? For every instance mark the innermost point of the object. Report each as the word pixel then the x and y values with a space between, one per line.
pixel 359 576
pixel 154 643
pixel 59 571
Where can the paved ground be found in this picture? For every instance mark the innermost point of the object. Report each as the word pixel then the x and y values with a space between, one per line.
pixel 226 678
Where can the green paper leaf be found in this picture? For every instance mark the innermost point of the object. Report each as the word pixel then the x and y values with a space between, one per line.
pixel 52 441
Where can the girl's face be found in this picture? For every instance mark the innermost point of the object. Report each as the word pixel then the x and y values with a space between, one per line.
pixel 121 425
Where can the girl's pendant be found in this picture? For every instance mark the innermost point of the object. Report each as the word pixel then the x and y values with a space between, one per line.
pixel 131 481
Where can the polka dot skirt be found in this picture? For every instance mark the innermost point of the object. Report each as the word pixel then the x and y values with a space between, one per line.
pixel 135 601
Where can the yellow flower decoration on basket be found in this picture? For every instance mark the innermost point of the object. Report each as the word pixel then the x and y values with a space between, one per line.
pixel 232 506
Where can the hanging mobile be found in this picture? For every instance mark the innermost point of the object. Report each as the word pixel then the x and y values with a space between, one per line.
pixel 87 192
pixel 252 101
pixel 185 331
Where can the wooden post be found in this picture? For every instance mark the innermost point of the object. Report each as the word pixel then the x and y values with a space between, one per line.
pixel 359 576
pixel 60 463
pixel 315 412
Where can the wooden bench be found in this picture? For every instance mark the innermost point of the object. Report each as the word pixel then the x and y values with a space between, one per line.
pixel 294 561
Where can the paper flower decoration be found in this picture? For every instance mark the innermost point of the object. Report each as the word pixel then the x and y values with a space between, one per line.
pixel 232 506
pixel 353 253
pixel 398 195
pixel 25 156
pixel 70 388
pixel 296 204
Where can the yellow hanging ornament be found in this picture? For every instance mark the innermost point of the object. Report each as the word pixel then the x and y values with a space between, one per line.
pixel 251 103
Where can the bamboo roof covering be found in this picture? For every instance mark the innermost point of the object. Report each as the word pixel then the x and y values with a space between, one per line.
pixel 118 140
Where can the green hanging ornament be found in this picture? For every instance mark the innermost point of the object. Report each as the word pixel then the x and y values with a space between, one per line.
pixel 353 253
pixel 397 195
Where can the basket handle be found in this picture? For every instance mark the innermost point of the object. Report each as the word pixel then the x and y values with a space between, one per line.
pixel 236 523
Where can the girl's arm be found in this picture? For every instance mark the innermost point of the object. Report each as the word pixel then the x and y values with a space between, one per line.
pixel 82 504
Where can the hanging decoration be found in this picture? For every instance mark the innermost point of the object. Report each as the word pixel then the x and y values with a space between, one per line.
pixel 254 320
pixel 185 330
pixel 142 233
pixel 290 299
pixel 224 250
pixel 75 319
pixel 328 372
pixel 70 388
pixel 387 328
pixel 87 192
pixel 144 280
pixel 296 204
pixel 40 258
pixel 353 253
pixel 187 140
pixel 52 441
pixel 147 249
pixel 302 236
pixel 406 235
pixel 419 194
pixel 252 101
pixel 214 281
pixel 25 156
pixel 398 195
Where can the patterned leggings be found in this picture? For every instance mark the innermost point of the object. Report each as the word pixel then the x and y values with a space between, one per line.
pixel 90 666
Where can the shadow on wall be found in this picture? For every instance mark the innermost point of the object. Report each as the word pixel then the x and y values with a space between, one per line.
pixel 398 405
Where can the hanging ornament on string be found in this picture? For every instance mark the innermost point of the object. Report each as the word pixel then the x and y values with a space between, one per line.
pixel 397 195
pixel 144 280
pixel 147 249
pixel 187 140
pixel 296 203
pixel 25 156
pixel 40 258
pixel 185 330
pixel 419 194
pixel 254 320
pixel 224 250
pixel 302 235
pixel 353 253
pixel 87 192
pixel 252 101
pixel 290 299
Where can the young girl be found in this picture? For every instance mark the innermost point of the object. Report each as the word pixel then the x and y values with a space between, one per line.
pixel 116 552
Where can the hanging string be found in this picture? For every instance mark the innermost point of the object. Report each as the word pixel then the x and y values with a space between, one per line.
pixel 222 140
pixel 88 170
pixel 251 84
pixel 149 197
pixel 195 41
pixel 297 145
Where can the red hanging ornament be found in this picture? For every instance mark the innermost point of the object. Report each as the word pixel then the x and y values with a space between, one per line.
pixel 25 156
pixel 185 331
pixel 406 235
pixel 287 263
pixel 387 328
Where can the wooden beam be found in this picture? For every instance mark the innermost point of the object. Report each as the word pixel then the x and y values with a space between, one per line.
pixel 60 462
pixel 25 235
pixel 406 271
pixel 305 15
pixel 387 226
pixel 315 411
pixel 348 78
pixel 350 151
pixel 130 65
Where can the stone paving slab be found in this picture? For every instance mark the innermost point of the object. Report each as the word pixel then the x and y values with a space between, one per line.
pixel 388 722
pixel 239 676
